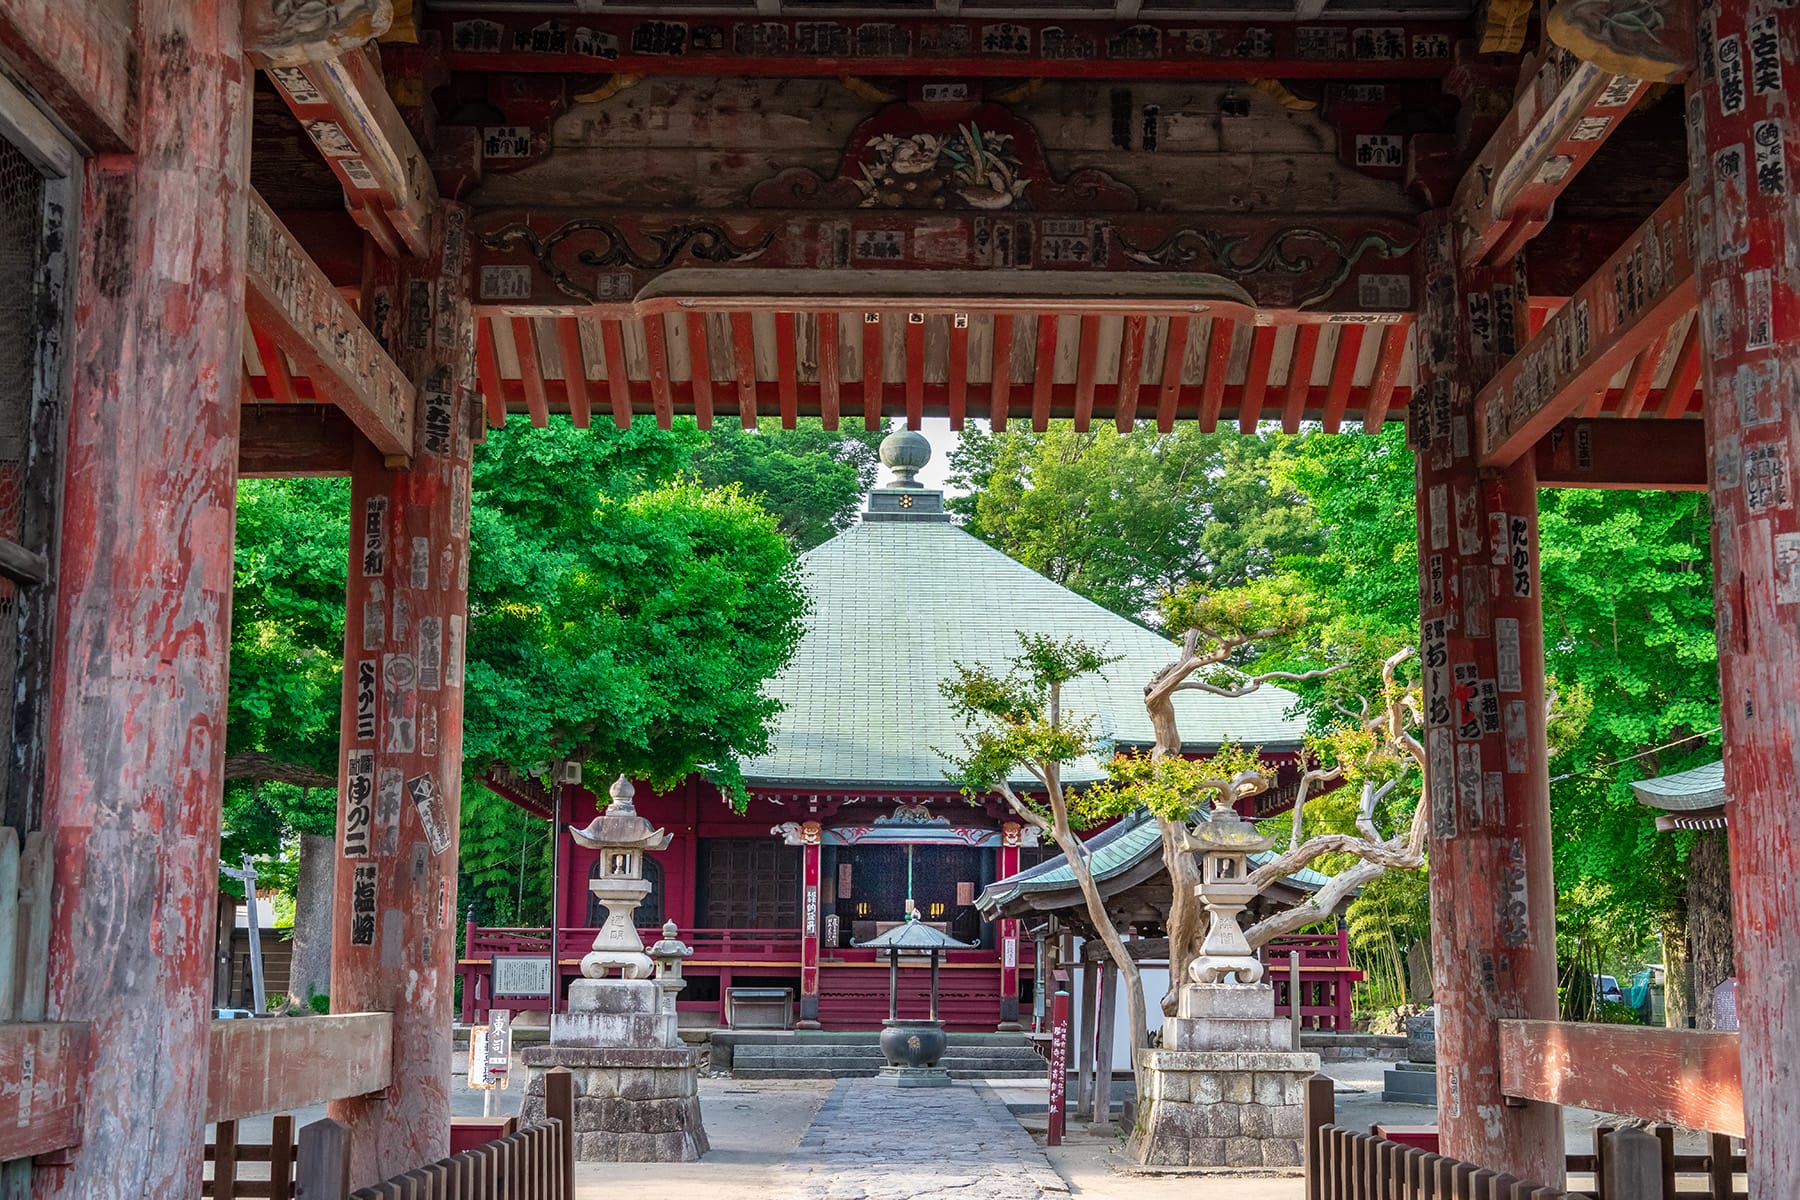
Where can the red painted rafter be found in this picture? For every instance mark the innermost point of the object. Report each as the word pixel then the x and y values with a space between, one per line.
pixel 275 366
pixel 942 46
pixel 1256 382
pixel 829 379
pixel 487 369
pixel 1563 115
pixel 743 363
pixel 1684 376
pixel 959 369
pixel 1087 362
pixel 656 351
pixel 915 369
pixel 787 367
pixel 1638 380
pixel 1293 401
pixel 568 346
pixel 1218 363
pixel 1044 374
pixel 531 372
pixel 1588 341
pixel 343 105
pixel 1000 384
pixel 289 298
pixel 618 379
pixel 700 369
pixel 1131 371
pixel 872 373
pixel 1387 374
pixel 1174 354
pixel 1343 374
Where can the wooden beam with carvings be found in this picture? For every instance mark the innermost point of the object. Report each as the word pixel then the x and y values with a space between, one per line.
pixel 344 107
pixel 1611 319
pixel 288 297
pixel 288 441
pixel 43 1078
pixel 257 1067
pixel 1652 41
pixel 1658 456
pixel 1682 1076
pixel 1561 116
pixel 281 32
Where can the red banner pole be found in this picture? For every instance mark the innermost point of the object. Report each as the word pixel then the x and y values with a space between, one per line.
pixel 1059 1062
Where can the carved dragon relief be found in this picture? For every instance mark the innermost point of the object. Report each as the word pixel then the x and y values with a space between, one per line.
pixel 291 32
pixel 1645 39
pixel 698 241
pixel 1298 251
pixel 945 157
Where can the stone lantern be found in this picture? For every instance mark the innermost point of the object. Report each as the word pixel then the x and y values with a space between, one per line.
pixel 1224 842
pixel 622 837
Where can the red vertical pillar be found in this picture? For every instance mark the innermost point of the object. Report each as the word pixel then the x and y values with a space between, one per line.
pixel 1742 138
pixel 1493 899
pixel 1009 932
pixel 138 683
pixel 809 926
pixel 401 738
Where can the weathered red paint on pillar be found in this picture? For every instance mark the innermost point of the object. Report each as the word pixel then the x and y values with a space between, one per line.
pixel 1493 900
pixel 1059 1066
pixel 393 948
pixel 1742 138
pixel 809 925
pixel 137 708
pixel 1009 930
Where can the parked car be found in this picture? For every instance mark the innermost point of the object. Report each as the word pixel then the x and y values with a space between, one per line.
pixel 1607 988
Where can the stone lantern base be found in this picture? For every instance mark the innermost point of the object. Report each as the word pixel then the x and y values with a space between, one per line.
pixel 1243 1109
pixel 637 1085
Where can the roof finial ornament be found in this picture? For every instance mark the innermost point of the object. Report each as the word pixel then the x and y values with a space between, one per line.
pixel 905 452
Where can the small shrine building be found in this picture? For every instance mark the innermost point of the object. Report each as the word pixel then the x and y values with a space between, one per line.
pixel 850 812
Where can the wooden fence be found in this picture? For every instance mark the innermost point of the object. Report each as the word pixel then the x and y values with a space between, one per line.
pixel 1628 1164
pixel 534 1162
pixel 228 1156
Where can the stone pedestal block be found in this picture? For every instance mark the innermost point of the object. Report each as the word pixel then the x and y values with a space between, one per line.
pixel 1226 1017
pixel 1222 1109
pixel 615 1012
pixel 631 1105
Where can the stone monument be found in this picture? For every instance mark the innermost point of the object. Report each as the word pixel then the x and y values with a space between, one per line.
pixel 637 1084
pixel 1226 1088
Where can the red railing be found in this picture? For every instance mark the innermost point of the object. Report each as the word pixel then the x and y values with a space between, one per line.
pixel 1326 978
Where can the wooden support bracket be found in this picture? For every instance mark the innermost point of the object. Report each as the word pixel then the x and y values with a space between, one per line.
pixel 289 297
pixel 290 441
pixel 1681 1076
pixel 1561 117
pixel 43 1075
pixel 1641 455
pixel 344 106
pixel 1612 318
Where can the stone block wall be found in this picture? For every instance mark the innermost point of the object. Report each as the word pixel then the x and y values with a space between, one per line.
pixel 1220 1109
pixel 630 1105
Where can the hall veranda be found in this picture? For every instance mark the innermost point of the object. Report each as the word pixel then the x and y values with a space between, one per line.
pixel 241 239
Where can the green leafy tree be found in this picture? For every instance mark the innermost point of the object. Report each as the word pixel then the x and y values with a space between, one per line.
pixel 1125 518
pixel 812 479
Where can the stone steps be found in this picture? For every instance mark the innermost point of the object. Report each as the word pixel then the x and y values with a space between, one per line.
pixel 869 1072
pixel 854 1056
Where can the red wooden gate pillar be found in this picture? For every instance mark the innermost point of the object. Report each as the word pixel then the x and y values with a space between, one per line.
pixel 1009 931
pixel 400 758
pixel 810 832
pixel 1493 899
pixel 1742 139
pixel 137 704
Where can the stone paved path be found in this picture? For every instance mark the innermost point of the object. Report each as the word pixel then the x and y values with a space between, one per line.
pixel 873 1141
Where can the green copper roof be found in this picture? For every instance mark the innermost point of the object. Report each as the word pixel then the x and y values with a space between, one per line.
pixel 898 600
pixel 913 935
pixel 1113 851
pixel 1684 791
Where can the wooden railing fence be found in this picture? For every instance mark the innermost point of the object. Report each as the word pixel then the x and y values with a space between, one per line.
pixel 228 1155
pixel 535 1162
pixel 1628 1164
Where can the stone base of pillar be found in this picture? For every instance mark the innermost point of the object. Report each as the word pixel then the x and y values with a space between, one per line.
pixel 1222 1109
pixel 914 1077
pixel 630 1105
pixel 637 1085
